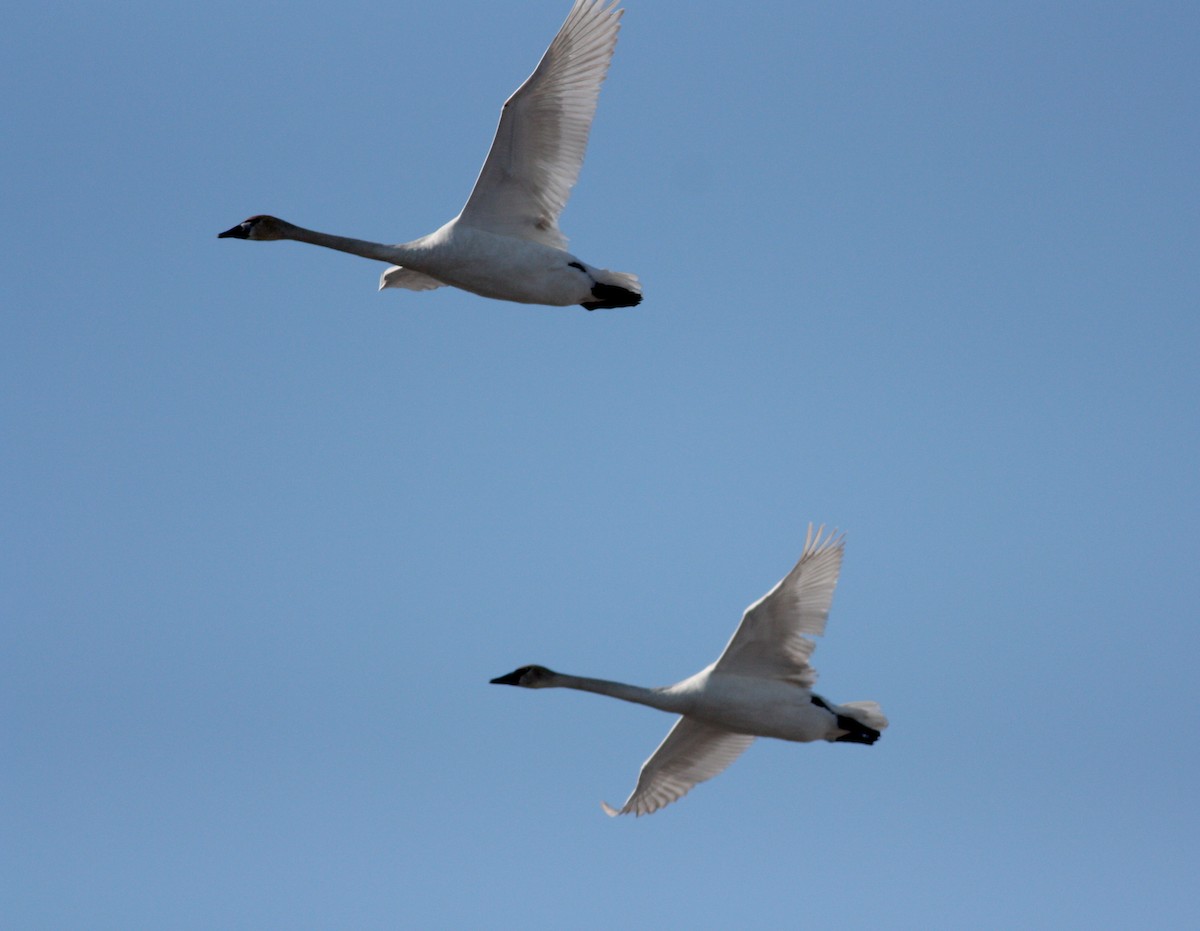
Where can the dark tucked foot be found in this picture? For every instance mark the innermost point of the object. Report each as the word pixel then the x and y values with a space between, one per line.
pixel 856 732
pixel 611 295
pixel 866 737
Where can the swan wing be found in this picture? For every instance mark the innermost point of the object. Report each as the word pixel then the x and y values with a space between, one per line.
pixel 769 642
pixel 400 277
pixel 692 752
pixel 538 150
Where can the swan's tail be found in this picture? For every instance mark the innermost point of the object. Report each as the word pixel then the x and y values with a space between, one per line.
pixel 861 720
pixel 614 289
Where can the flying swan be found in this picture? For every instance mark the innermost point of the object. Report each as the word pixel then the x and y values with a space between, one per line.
pixel 506 243
pixel 761 686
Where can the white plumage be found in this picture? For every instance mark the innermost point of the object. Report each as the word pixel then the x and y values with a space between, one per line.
pixel 506 243
pixel 760 686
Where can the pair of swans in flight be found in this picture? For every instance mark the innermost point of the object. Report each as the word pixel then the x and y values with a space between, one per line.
pixel 506 244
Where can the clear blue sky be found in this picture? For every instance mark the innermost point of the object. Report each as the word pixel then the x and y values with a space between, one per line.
pixel 929 273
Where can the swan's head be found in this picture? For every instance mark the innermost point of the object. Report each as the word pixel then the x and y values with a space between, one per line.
pixel 260 227
pixel 528 677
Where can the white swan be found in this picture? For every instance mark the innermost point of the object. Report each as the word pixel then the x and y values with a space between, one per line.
pixel 759 687
pixel 506 242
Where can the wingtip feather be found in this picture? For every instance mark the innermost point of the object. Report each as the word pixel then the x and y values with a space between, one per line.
pixel 813 542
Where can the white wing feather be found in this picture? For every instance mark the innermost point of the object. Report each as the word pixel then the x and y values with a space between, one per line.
pixel 397 276
pixel 769 641
pixel 539 146
pixel 692 752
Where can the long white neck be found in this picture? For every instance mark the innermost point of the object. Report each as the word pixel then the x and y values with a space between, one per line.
pixel 395 255
pixel 665 699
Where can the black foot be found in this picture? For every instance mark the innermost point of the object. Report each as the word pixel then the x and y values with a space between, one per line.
pixel 866 737
pixel 856 732
pixel 611 295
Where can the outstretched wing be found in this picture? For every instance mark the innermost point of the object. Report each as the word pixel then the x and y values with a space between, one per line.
pixel 692 752
pixel 538 150
pixel 769 642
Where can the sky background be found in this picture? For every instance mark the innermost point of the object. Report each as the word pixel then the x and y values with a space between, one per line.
pixel 926 272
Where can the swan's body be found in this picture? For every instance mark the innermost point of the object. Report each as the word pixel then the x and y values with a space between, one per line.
pixel 761 686
pixel 506 243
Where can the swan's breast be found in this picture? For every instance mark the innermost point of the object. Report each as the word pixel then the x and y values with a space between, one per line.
pixel 501 267
pixel 765 707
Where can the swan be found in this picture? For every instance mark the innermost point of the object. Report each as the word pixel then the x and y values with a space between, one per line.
pixel 760 686
pixel 506 243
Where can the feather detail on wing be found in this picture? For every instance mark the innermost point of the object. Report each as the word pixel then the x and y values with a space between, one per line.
pixel 539 146
pixel 769 642
pixel 692 752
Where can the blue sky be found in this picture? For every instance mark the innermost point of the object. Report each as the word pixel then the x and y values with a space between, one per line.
pixel 927 272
